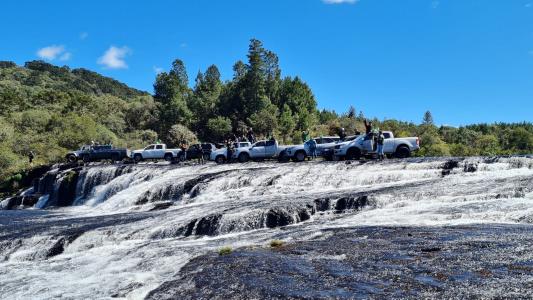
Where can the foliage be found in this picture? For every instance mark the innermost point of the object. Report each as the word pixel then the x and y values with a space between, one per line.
pixel 225 250
pixel 51 109
pixel 276 243
pixel 180 135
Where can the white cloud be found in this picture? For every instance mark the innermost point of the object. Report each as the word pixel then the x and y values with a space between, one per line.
pixel 83 35
pixel 65 56
pixel 157 70
pixel 340 1
pixel 113 58
pixel 53 52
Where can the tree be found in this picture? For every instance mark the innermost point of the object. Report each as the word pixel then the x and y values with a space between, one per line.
pixel 179 134
pixel 428 119
pixel 205 99
pixel 218 129
pixel 264 122
pixel 171 92
pixel 286 123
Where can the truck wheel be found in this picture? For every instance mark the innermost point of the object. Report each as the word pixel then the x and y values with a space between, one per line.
pixel 353 153
pixel 402 152
pixel 168 157
pixel 283 157
pixel 244 157
pixel 137 158
pixel 220 159
pixel 300 156
pixel 72 158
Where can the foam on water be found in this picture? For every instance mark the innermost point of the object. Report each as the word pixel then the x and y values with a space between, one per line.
pixel 144 248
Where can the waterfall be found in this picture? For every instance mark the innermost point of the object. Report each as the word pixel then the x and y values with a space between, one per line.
pixel 138 224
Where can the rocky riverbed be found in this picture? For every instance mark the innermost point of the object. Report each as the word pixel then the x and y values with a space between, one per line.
pixel 457 262
pixel 414 228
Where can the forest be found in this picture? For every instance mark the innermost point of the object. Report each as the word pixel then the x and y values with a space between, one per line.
pixel 50 110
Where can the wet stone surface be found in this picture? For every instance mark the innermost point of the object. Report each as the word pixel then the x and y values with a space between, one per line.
pixel 465 262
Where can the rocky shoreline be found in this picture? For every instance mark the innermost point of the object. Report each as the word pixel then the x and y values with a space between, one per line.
pixel 459 262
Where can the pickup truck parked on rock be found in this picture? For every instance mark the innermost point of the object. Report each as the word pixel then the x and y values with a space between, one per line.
pixel 89 153
pixel 300 152
pixel 258 151
pixel 197 150
pixel 156 152
pixel 364 146
pixel 221 155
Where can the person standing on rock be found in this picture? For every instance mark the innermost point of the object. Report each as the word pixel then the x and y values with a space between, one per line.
pixel 312 148
pixel 368 126
pixel 251 136
pixel 31 156
pixel 305 136
pixel 229 150
pixel 380 140
pixel 342 134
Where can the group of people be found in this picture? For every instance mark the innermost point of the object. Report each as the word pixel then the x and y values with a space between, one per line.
pixel 377 137
pixel 249 136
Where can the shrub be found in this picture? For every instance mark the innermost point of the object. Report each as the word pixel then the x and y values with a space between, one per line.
pixel 179 134
pixel 276 243
pixel 225 250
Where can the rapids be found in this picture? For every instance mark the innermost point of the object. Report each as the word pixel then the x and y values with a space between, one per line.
pixel 126 229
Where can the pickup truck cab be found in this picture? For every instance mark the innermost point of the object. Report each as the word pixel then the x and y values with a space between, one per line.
pixel 300 152
pixel 221 155
pixel 89 153
pixel 156 152
pixel 260 150
pixel 364 146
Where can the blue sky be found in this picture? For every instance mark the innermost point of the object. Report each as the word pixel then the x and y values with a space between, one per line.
pixel 466 61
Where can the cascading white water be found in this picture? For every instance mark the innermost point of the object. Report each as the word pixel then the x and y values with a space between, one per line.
pixel 111 242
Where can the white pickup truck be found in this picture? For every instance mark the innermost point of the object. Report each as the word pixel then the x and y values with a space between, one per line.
pixel 259 150
pixel 299 152
pixel 156 152
pixel 364 146
pixel 221 155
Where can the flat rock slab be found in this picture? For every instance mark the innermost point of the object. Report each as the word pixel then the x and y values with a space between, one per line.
pixel 467 262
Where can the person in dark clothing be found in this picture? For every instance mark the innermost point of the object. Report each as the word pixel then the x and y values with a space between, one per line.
pixel 380 141
pixel 229 149
pixel 251 136
pixel 31 156
pixel 342 134
pixel 368 126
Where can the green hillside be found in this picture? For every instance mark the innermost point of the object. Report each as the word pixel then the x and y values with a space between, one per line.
pixel 49 110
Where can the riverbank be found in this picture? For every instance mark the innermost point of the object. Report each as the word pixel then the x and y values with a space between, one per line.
pixel 457 262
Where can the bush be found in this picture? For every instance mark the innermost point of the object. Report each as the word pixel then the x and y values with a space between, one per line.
pixel 225 250
pixel 179 134
pixel 218 128
pixel 277 243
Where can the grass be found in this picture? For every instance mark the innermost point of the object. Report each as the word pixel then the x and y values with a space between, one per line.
pixel 225 250
pixel 276 243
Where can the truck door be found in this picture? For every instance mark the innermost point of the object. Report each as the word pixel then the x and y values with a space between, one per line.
pixel 258 150
pixel 368 143
pixel 149 151
pixel 388 143
pixel 159 152
pixel 270 148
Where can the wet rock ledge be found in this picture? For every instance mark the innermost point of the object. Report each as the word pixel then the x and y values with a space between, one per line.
pixel 467 262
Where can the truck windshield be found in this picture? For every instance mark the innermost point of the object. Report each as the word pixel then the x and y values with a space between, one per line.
pixel 151 147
